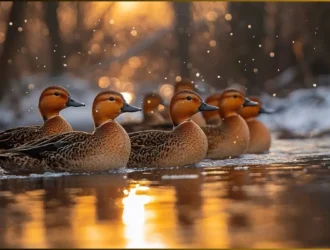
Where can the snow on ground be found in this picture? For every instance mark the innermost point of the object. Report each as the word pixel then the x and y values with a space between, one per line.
pixel 304 111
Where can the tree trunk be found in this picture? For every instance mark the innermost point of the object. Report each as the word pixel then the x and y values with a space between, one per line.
pixel 182 31
pixel 55 39
pixel 247 28
pixel 13 38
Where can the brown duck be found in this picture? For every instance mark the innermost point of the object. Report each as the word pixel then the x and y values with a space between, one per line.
pixel 152 116
pixel 185 144
pixel 52 100
pixel 107 147
pixel 212 117
pixel 186 84
pixel 230 138
pixel 260 138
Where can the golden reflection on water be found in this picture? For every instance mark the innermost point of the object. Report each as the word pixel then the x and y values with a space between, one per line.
pixel 155 209
pixel 134 218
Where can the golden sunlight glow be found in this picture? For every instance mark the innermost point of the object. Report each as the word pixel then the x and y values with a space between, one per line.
pixel 104 82
pixel 161 107
pixel 134 218
pixel 129 97
pixel 211 16
pixel 127 87
pixel 166 91
pixel 178 78
pixel 228 17
pixel 127 6
pixel 213 43
pixel 134 62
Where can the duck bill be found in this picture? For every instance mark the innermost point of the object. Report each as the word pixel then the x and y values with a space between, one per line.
pixel 205 107
pixel 265 111
pixel 249 103
pixel 73 103
pixel 129 108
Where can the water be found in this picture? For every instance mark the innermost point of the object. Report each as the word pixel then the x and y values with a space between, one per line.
pixel 275 200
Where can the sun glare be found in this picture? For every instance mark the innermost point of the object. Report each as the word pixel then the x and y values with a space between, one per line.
pixel 134 218
pixel 127 6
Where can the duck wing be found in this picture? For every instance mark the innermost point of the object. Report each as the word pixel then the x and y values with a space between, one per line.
pixel 17 136
pixel 149 138
pixel 51 143
pixel 214 134
pixel 148 147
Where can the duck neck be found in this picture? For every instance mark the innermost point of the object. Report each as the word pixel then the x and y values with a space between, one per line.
pixel 100 123
pixel 104 130
pixel 100 118
pixel 227 113
pixel 177 120
pixel 47 113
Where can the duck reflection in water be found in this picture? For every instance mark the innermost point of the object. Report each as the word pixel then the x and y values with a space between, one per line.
pixel 58 204
pixel 189 200
pixel 108 207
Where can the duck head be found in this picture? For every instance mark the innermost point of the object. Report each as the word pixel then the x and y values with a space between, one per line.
pixel 151 103
pixel 53 99
pixel 231 101
pixel 184 84
pixel 186 103
pixel 212 100
pixel 253 111
pixel 108 105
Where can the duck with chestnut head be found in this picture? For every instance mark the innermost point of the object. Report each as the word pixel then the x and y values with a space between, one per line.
pixel 151 105
pixel 52 100
pixel 107 147
pixel 260 138
pixel 188 85
pixel 230 138
pixel 185 144
pixel 213 117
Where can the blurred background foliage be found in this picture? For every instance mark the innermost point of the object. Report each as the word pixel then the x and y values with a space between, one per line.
pixel 266 47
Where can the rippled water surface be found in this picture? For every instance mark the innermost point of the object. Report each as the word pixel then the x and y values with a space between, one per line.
pixel 281 199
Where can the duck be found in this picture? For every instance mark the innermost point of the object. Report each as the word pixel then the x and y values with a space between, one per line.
pixel 52 100
pixel 186 144
pixel 107 147
pixel 231 138
pixel 152 116
pixel 187 84
pixel 151 104
pixel 212 117
pixel 260 138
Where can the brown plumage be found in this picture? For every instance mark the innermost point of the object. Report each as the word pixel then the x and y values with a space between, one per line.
pixel 152 116
pixel 213 117
pixel 107 147
pixel 52 100
pixel 231 137
pixel 185 144
pixel 260 138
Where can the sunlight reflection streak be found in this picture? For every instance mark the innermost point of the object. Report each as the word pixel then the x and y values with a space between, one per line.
pixel 134 217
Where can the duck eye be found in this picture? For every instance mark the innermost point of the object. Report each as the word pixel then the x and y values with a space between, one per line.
pixel 235 96
pixel 189 98
pixel 56 94
pixel 111 99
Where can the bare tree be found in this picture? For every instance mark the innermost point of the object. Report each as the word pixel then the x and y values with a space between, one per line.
pixel 247 28
pixel 182 29
pixel 56 50
pixel 13 38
